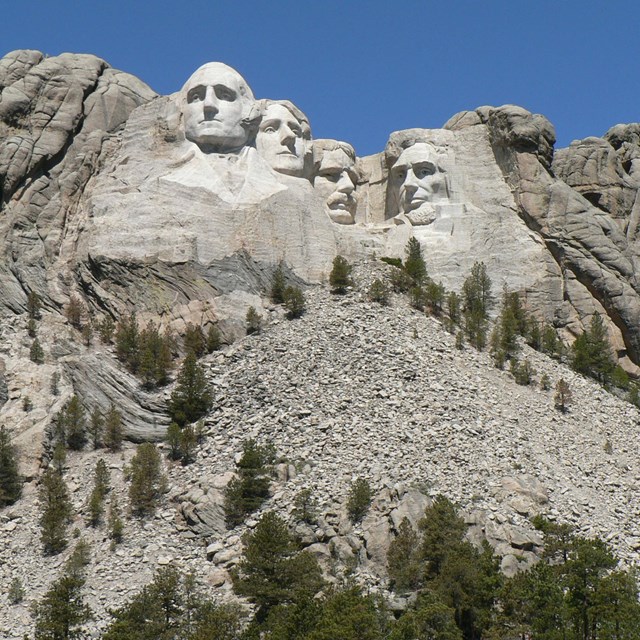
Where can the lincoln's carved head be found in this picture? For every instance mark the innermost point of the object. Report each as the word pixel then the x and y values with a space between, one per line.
pixel 217 108
pixel 335 178
pixel 283 137
pixel 419 181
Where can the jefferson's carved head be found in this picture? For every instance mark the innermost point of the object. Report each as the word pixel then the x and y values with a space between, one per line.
pixel 217 108
pixel 283 137
pixel 418 180
pixel 335 178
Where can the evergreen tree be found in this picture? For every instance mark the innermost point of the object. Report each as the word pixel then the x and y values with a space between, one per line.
pixel 113 431
pixel 188 443
pixel 358 499
pixel 106 329
pixel 194 340
pixel 96 428
pixel 34 305
pixel 128 342
pixel 253 321
pixel 173 440
pixel 250 488
pixel 403 559
pixel 75 424
pixel 101 486
pixel 154 362
pixel 429 618
pixel 273 572
pixel 278 286
pixel 294 302
pixel 148 483
pixel 592 352
pixel 56 511
pixel 414 264
pixel 453 307
pixel 378 292
pixel 62 611
pixel 340 276
pixel 10 479
pixel 115 524
pixel 214 339
pixel 434 296
pixel 74 312
pixel 477 301
pixel 191 399
pixel 563 395
pixel 36 352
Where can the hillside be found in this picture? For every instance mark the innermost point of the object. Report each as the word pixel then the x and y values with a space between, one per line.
pixel 356 389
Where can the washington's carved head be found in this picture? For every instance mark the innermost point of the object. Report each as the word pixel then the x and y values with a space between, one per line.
pixel 335 178
pixel 418 181
pixel 217 108
pixel 283 137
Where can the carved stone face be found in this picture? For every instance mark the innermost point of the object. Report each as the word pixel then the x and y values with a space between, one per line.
pixel 418 177
pixel 281 141
pixel 216 101
pixel 335 181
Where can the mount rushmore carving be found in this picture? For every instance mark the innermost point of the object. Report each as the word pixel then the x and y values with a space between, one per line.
pixel 182 206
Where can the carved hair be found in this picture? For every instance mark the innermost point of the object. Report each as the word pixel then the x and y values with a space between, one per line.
pixel 401 140
pixel 264 104
pixel 326 145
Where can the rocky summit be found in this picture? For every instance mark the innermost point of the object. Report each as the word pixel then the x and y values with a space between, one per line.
pixel 179 209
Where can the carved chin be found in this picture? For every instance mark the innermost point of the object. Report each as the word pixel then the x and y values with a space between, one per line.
pixel 423 215
pixel 341 216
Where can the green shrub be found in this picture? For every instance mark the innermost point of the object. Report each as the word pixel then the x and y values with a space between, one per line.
pixel 340 276
pixel 294 301
pixel 379 292
pixel 253 321
pixel 359 500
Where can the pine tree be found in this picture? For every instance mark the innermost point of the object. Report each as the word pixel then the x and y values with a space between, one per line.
pixel 74 312
pixel 414 264
pixel 293 299
pixel 379 292
pixel 56 511
pixel 358 499
pixel 148 483
pixel 172 438
pixel 273 571
pixel 101 487
pixel 113 431
pixel 188 443
pixel 106 329
pixel 563 395
pixel 34 305
pixel 278 286
pixel 194 340
pixel 154 356
pixel 403 559
pixel 214 339
pixel 10 479
pixel 340 276
pixel 128 342
pixel 96 428
pixel 36 352
pixel 477 300
pixel 253 321
pixel 115 524
pixel 592 354
pixel 250 488
pixel 75 424
pixel 62 611
pixel 191 399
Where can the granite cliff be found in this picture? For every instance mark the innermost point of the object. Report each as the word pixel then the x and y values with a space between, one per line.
pixel 130 201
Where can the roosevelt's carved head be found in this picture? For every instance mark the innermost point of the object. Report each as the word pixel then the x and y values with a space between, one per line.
pixel 418 181
pixel 335 178
pixel 283 137
pixel 218 108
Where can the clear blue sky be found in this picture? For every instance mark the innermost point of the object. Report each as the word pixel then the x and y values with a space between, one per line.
pixel 360 69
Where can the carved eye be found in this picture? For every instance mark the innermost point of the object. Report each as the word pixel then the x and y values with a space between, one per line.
pixel 332 176
pixel 226 94
pixel 296 132
pixel 269 129
pixel 401 174
pixel 423 171
pixel 196 95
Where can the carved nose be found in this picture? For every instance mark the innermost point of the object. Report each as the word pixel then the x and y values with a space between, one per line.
pixel 410 182
pixel 210 103
pixel 287 137
pixel 345 184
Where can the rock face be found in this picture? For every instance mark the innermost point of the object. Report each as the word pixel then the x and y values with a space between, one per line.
pixel 181 207
pixel 166 204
